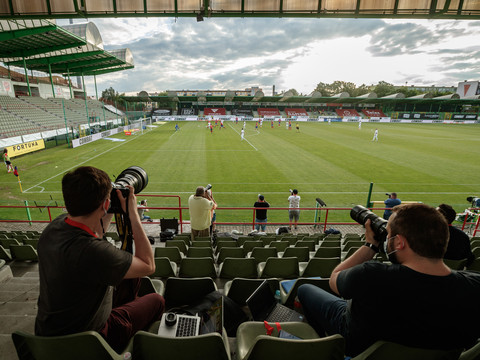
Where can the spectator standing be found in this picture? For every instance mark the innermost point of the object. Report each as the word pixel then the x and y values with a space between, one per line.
pixel 92 285
pixel 390 203
pixel 200 208
pixel 261 214
pixel 459 243
pixel 294 208
pixel 421 298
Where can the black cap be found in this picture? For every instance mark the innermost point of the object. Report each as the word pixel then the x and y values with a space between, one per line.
pixel 261 197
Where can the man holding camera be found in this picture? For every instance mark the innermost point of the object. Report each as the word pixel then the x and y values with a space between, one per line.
pixel 416 301
pixel 200 207
pixel 86 283
pixel 390 203
pixel 261 214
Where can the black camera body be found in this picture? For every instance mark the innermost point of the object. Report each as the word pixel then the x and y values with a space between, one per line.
pixel 475 201
pixel 389 195
pixel 379 225
pixel 208 187
pixel 134 176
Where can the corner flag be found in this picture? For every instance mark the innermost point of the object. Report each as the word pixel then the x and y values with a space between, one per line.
pixel 15 171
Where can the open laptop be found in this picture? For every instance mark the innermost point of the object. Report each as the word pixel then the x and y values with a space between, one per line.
pixel 179 325
pixel 263 306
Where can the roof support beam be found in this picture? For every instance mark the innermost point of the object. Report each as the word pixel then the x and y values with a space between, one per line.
pixel 319 8
pixel 357 7
pixel 59 58
pixel 395 7
pixel 17 34
pixel 433 7
pixel 460 7
pixel 43 50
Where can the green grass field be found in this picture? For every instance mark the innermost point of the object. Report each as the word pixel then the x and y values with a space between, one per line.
pixel 431 163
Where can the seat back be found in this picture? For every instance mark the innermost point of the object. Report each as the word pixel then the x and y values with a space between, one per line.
pixel 388 350
pixel 180 244
pixel 284 268
pixel 194 251
pixel 24 252
pixel 173 253
pixel 5 254
pixel 330 243
pixel 240 289
pixel 225 243
pixel 84 345
pixel 32 242
pixel 326 252
pixel 250 244
pixel 202 243
pixel 301 253
pixel 322 267
pixel 232 252
pixel 235 267
pixel 351 251
pixel 288 299
pixel 306 243
pixel 455 264
pixel 279 245
pixel 353 243
pixel 148 346
pixel 197 267
pixel 261 254
pixel 186 291
pixel 7 242
pixel 164 268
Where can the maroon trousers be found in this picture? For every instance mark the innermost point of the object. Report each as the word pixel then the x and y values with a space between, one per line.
pixel 130 314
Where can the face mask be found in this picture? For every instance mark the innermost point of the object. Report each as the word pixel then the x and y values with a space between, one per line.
pixel 391 255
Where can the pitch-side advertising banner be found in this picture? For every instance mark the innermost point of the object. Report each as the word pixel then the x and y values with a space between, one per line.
pixel 27 147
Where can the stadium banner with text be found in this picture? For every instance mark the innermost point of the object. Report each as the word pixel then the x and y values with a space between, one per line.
pixel 188 111
pixel 215 111
pixel 26 147
pixel 464 117
pixel 242 112
pixel 267 112
pixel 418 116
pixel 374 113
pixel 296 112
pixel 94 137
pixel 347 112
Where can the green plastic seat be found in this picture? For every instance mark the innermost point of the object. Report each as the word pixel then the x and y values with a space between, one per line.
pixel 202 243
pixel 180 244
pixel 322 267
pixel 301 253
pixel 148 346
pixel 197 267
pixel 194 251
pixel 32 242
pixel 85 345
pixel 231 252
pixel 326 252
pixel 388 350
pixel 310 244
pixel 279 245
pixel 283 268
pixel 471 354
pixel 238 267
pixel 261 254
pixel 24 252
pixel 353 244
pixel 150 286
pixel 330 243
pixel 173 253
pixel 351 251
pixel 250 244
pixel 5 254
pixel 253 344
pixel 225 243
pixel 455 264
pixel 186 291
pixel 7 242
pixel 164 268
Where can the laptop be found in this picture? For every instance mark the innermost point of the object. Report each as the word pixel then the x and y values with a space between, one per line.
pixel 179 325
pixel 263 306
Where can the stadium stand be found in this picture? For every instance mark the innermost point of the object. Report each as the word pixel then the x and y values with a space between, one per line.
pixel 373 113
pixel 215 111
pixel 295 112
pixel 347 112
pixel 268 112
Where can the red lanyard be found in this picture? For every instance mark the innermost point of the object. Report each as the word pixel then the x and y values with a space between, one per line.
pixel 80 226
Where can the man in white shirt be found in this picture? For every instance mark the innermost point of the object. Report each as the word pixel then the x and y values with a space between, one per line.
pixel 294 208
pixel 242 134
pixel 375 135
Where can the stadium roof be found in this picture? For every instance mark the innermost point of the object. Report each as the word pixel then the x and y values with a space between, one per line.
pixel 70 50
pixel 438 9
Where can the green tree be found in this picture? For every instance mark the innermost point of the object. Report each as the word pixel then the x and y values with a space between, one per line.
pixel 383 89
pixel 341 86
pixel 111 96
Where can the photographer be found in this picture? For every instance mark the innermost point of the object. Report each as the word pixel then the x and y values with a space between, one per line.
pixel 79 270
pixel 200 207
pixel 390 203
pixel 417 299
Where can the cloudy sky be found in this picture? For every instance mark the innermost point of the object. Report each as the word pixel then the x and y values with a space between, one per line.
pixel 176 54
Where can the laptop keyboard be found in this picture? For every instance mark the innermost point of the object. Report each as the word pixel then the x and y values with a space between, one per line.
pixel 186 327
pixel 280 313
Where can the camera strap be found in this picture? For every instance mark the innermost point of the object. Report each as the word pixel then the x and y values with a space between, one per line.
pixel 124 229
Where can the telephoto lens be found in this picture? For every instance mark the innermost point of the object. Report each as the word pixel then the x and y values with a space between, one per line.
pixel 134 176
pixel 379 225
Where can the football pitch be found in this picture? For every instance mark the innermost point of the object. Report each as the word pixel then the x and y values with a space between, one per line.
pixel 431 163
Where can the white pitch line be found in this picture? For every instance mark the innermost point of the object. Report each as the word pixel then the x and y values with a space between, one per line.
pixel 244 137
pixel 63 172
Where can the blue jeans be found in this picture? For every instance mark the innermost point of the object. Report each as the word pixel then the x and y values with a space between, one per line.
pixel 258 226
pixel 324 312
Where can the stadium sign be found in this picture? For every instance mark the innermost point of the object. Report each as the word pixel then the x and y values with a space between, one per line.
pixel 418 116
pixel 27 147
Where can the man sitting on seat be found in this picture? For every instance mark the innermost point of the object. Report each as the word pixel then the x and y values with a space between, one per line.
pixel 416 301
pixel 85 282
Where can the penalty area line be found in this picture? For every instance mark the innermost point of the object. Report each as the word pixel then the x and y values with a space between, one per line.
pixel 244 137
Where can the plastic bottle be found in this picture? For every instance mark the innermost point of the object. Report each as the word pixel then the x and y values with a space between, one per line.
pixel 277 296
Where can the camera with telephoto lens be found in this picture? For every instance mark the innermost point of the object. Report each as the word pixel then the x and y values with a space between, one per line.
pixel 379 225
pixel 208 187
pixel 134 176
pixel 389 195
